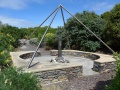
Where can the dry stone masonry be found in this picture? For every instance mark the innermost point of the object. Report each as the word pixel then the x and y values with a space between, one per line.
pixel 104 67
pixel 102 63
pixel 63 74
pixel 76 53
pixel 29 55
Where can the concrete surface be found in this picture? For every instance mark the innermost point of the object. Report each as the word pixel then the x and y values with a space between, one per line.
pixel 44 63
pixel 44 60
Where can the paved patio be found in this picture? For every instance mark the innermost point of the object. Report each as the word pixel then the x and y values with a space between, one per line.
pixel 44 60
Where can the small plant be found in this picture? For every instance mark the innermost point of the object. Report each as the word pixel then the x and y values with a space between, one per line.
pixel 115 85
pixel 15 79
pixel 5 59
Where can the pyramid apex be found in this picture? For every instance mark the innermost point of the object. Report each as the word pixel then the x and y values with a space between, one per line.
pixel 60 5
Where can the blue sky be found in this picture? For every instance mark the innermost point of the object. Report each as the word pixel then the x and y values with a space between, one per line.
pixel 31 13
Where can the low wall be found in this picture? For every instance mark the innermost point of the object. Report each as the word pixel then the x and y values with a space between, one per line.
pixel 102 63
pixel 104 66
pixel 76 53
pixel 47 75
pixel 29 55
pixel 57 75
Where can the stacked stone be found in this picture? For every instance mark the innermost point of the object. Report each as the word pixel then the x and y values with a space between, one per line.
pixel 58 75
pixel 29 55
pixel 104 67
pixel 76 53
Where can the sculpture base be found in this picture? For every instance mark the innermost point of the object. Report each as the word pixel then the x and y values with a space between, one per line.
pixel 59 60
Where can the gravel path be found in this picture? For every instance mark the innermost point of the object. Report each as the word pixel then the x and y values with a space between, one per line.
pixel 29 47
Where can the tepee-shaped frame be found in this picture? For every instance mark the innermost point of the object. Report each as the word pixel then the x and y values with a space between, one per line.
pixel 55 13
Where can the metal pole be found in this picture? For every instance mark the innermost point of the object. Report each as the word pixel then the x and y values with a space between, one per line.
pixel 89 30
pixel 67 37
pixel 62 15
pixel 59 48
pixel 41 40
pixel 41 24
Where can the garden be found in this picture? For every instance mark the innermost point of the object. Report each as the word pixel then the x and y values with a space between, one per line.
pixel 74 37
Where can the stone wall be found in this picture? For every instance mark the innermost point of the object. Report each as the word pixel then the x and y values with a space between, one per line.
pixel 76 53
pixel 104 66
pixel 63 74
pixel 29 55
pixel 64 52
pixel 102 63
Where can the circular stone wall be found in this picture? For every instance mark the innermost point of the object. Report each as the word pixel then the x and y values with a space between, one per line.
pixel 29 55
pixel 75 53
pixel 64 52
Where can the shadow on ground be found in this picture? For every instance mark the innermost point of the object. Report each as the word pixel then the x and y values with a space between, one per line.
pixel 102 84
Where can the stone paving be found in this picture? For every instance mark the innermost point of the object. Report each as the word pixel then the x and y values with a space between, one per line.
pixel 85 62
pixel 45 59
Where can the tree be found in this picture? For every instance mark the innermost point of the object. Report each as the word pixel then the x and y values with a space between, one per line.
pixel 106 16
pixel 112 27
pixel 81 38
pixel 23 33
pixel 1 25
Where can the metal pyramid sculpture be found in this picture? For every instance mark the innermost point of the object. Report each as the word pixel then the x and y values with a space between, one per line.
pixel 55 13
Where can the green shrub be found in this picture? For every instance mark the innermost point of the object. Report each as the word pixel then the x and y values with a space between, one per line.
pixel 79 36
pixel 15 79
pixel 5 59
pixel 5 47
pixel 39 37
pixel 90 45
pixel 7 41
pixel 115 85
pixel 50 40
pixel 14 32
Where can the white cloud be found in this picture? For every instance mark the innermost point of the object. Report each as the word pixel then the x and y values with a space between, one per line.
pixel 100 7
pixel 17 4
pixel 15 22
pixel 13 4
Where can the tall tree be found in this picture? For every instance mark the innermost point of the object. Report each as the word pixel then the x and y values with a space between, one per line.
pixel 112 27
pixel 81 38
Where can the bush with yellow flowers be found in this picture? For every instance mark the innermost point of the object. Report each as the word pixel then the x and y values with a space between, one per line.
pixel 5 59
pixel 5 46
pixel 7 41
pixel 50 40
